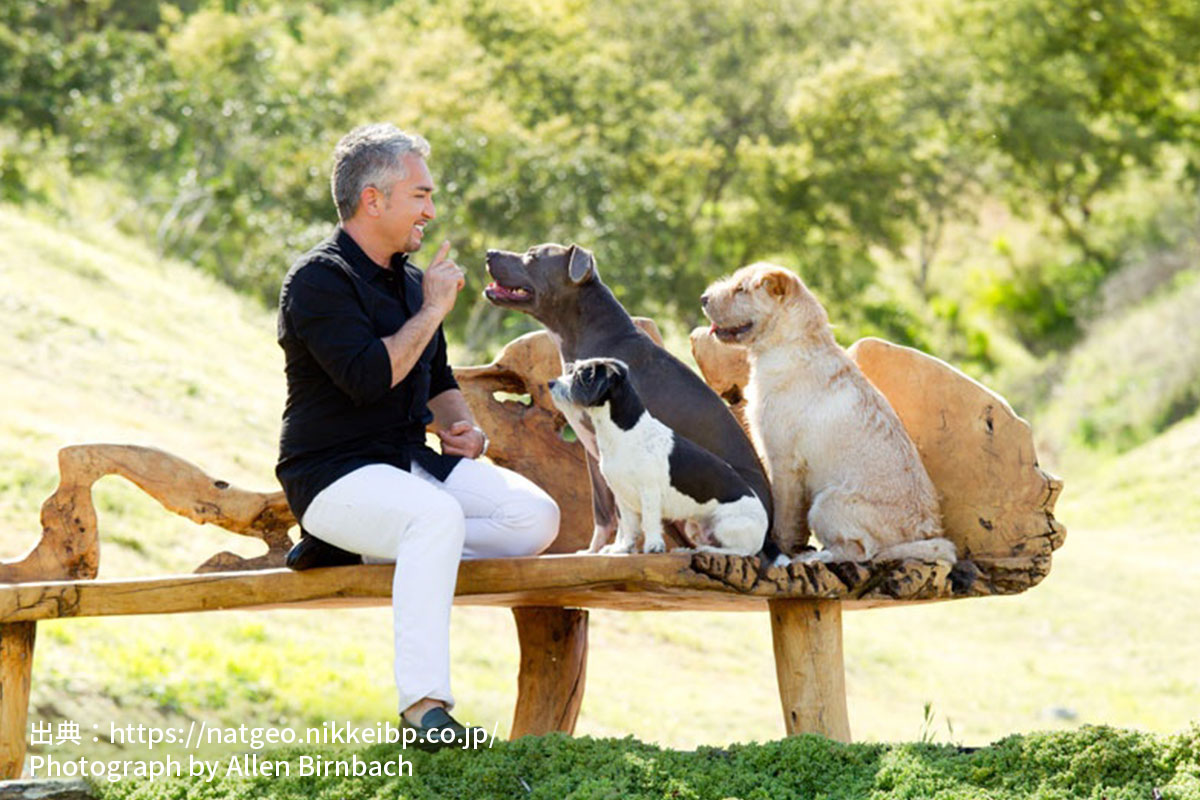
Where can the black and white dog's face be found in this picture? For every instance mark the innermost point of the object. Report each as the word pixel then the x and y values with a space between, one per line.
pixel 590 383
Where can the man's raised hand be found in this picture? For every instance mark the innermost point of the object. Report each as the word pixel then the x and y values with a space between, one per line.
pixel 442 281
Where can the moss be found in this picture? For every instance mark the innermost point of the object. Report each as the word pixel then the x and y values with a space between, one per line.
pixel 1094 762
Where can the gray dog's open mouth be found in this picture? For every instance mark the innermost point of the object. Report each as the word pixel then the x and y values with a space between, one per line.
pixel 507 294
pixel 731 334
pixel 498 292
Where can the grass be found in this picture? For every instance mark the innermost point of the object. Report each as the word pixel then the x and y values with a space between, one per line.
pixel 1149 490
pixel 104 341
pixel 1136 375
pixel 1094 762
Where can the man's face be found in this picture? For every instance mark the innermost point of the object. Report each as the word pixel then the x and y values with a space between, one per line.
pixel 403 213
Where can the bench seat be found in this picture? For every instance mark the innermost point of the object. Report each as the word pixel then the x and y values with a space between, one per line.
pixel 676 581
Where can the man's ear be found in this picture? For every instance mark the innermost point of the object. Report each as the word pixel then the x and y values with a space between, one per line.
pixel 581 265
pixel 370 201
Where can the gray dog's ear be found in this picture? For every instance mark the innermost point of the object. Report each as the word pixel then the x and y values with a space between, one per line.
pixel 581 265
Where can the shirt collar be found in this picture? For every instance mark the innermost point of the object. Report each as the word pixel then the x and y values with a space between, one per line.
pixel 361 263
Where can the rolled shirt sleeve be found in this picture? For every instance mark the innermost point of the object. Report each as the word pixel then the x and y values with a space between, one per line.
pixel 328 317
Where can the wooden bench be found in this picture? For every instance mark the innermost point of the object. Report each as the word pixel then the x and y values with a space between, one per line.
pixel 997 507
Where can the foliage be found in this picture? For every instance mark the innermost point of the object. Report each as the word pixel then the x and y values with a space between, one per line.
pixel 679 140
pixel 1122 386
pixel 1080 96
pixel 1092 762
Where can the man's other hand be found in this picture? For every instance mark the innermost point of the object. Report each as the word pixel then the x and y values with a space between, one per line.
pixel 462 439
pixel 442 282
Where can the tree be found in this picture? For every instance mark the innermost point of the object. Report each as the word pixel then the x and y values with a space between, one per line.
pixel 1081 93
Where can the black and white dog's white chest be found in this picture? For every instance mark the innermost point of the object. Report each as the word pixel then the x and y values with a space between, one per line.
pixel 642 453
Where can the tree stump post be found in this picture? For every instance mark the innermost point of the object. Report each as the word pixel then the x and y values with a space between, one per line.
pixel 807 635
pixel 553 669
pixel 16 667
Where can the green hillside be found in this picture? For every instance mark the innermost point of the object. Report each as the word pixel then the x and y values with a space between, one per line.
pixel 103 341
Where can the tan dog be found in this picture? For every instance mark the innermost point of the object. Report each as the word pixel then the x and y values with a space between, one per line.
pixel 839 461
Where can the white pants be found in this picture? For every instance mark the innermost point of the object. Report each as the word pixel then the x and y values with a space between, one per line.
pixel 426 526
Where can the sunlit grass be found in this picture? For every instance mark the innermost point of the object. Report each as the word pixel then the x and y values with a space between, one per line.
pixel 1136 375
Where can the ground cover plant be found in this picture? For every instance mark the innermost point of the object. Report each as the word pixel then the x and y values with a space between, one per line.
pixel 1093 762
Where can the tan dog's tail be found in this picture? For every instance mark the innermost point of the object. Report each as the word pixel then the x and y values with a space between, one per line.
pixel 924 550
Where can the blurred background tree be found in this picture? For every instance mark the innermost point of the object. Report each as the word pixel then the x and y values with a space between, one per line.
pixel 968 176
pixel 1079 96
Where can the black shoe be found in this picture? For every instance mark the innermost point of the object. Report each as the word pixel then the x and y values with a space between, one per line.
pixel 431 733
pixel 311 552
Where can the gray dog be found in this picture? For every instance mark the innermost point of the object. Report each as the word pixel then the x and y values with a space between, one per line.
pixel 559 286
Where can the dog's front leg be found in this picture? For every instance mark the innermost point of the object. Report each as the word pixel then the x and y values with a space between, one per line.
pixel 604 507
pixel 790 528
pixel 627 531
pixel 652 524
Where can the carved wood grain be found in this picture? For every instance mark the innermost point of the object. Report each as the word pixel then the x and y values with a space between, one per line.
pixel 16 669
pixel 678 580
pixel 70 548
pixel 807 638
pixel 553 670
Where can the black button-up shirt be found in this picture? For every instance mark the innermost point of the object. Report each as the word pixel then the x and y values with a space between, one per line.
pixel 342 411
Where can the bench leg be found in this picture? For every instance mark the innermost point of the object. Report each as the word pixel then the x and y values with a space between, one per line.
pixel 553 669
pixel 16 668
pixel 808 662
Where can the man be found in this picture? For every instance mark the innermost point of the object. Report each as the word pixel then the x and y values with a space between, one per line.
pixel 366 366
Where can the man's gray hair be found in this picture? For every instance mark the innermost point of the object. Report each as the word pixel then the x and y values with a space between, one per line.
pixel 371 155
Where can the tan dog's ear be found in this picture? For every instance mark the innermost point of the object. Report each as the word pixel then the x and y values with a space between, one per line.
pixel 778 283
pixel 581 265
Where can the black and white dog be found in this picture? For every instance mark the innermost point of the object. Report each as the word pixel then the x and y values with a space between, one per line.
pixel 655 473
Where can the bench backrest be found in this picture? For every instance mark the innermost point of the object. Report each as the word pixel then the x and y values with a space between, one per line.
pixel 997 503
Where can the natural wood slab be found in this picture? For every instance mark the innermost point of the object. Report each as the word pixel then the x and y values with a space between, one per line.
pixel 807 636
pixel 997 503
pixel 725 369
pixel 553 670
pixel 16 668
pixel 679 580
pixel 527 435
pixel 70 544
